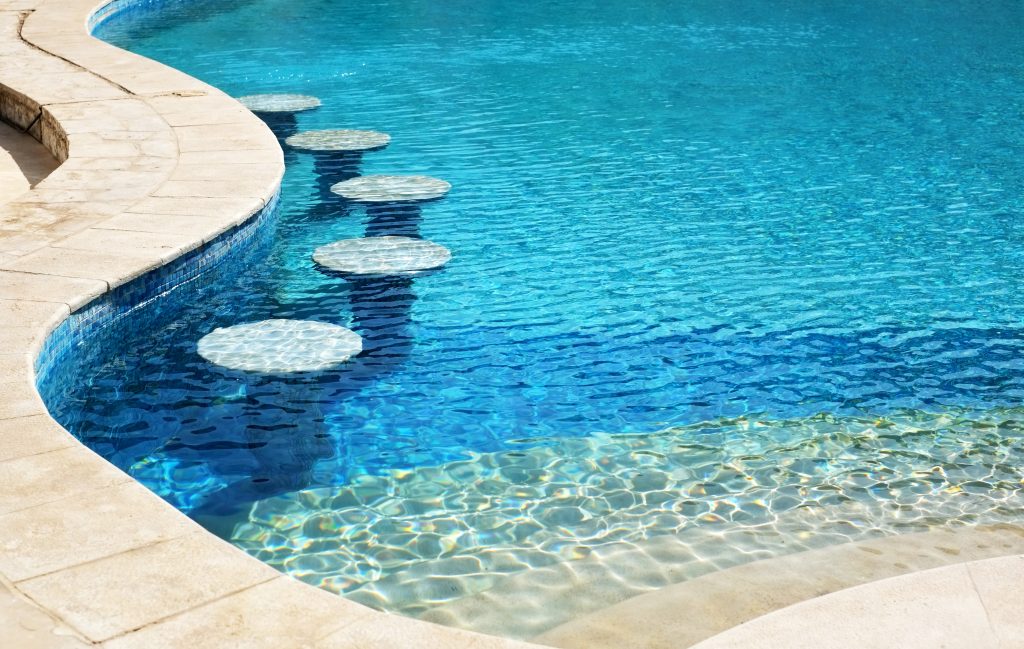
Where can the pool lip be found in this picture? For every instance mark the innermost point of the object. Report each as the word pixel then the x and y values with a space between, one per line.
pixel 151 159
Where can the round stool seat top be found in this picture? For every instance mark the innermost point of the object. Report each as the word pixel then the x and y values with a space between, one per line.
pixel 338 140
pixel 391 189
pixel 274 103
pixel 382 256
pixel 280 346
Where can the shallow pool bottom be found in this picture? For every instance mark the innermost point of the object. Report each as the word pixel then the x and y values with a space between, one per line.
pixel 624 514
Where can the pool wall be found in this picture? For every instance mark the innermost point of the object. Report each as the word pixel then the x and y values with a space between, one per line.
pixel 162 177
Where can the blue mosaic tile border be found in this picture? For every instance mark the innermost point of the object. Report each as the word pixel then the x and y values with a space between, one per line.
pixel 114 7
pixel 120 303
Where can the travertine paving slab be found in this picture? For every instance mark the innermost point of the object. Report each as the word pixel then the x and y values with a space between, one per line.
pixel 923 610
pixel 29 313
pixel 1000 585
pixel 92 525
pixel 27 436
pixel 75 292
pixel 240 207
pixel 277 614
pixel 113 268
pixel 25 626
pixel 198 227
pixel 117 242
pixel 30 481
pixel 171 577
pixel 20 399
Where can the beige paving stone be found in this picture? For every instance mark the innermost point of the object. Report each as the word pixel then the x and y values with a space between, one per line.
pixel 278 614
pixel 1000 584
pixel 19 399
pixel 15 366
pixel 234 209
pixel 174 575
pixel 264 172
pixel 210 108
pixel 33 480
pixel 90 526
pixel 27 436
pixel 219 138
pixel 106 116
pixel 198 227
pixel 140 163
pixel 262 157
pixel 387 631
pixel 115 268
pixel 723 599
pixel 28 313
pixel 119 144
pixel 15 337
pixel 252 187
pixel 923 610
pixel 75 292
pixel 117 242
pixel 24 625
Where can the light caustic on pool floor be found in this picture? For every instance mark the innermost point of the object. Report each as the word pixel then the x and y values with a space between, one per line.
pixel 715 494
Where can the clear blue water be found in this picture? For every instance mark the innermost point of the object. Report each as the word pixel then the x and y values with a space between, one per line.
pixel 665 216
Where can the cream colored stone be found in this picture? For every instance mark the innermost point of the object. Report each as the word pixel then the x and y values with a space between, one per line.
pixel 174 576
pixel 14 337
pixel 27 313
pixel 1000 585
pixel 262 157
pixel 724 599
pixel 47 477
pixel 923 610
pixel 251 187
pixel 278 614
pixel 26 436
pixel 24 625
pixel 263 173
pixel 386 631
pixel 75 292
pixel 119 242
pixel 115 268
pixel 230 210
pixel 86 527
pixel 201 228
pixel 19 399
pixel 220 138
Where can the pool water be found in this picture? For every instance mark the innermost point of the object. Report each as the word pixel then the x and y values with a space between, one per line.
pixel 728 280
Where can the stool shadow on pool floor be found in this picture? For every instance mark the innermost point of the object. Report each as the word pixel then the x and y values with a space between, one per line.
pixel 393 219
pixel 278 111
pixel 337 156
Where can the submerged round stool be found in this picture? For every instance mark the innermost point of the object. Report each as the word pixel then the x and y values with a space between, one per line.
pixel 392 189
pixel 338 141
pixel 279 103
pixel 280 346
pixel 382 256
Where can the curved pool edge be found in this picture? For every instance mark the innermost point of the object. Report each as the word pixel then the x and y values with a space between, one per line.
pixel 150 176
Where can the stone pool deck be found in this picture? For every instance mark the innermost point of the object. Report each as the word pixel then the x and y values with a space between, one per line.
pixel 155 164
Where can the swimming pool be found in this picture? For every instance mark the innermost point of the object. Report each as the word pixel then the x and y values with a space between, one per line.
pixel 728 281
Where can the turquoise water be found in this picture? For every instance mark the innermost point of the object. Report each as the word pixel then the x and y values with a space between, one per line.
pixel 727 273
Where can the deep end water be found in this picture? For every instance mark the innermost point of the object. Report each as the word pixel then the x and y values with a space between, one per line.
pixel 729 280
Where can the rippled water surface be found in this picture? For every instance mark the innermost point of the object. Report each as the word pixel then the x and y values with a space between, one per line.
pixel 729 279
